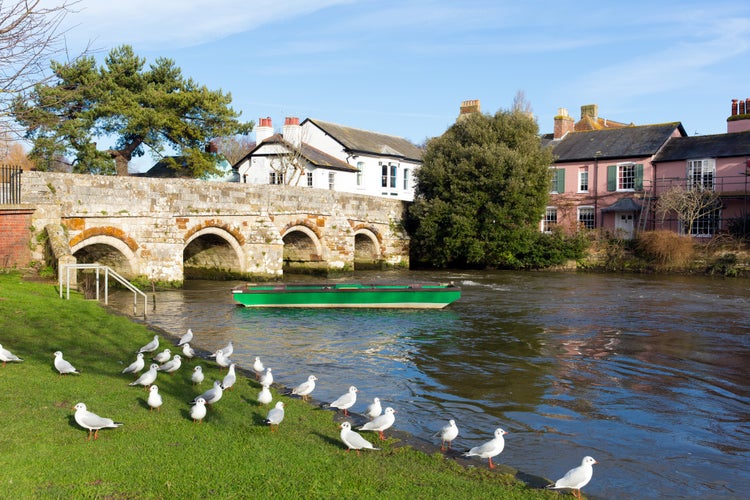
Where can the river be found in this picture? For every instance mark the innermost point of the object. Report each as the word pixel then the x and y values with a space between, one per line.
pixel 647 374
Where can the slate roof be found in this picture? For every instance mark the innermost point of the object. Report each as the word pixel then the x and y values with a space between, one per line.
pixel 625 142
pixel 705 146
pixel 364 141
pixel 313 155
pixel 623 205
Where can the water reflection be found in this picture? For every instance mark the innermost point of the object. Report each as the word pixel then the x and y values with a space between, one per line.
pixel 646 374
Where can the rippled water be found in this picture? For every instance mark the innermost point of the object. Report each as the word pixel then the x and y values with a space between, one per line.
pixel 649 375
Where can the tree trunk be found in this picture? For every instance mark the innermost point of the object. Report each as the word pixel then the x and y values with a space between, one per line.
pixel 121 163
pixel 123 156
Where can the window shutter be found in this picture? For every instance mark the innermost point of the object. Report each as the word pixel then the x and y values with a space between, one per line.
pixel 639 177
pixel 560 180
pixel 611 177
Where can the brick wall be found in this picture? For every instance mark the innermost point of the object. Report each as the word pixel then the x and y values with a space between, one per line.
pixel 14 237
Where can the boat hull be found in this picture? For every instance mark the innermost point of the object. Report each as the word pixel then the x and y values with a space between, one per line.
pixel 347 295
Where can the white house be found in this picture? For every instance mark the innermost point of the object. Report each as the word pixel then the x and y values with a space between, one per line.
pixel 325 155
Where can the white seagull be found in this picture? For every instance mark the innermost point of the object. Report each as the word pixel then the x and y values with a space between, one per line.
pixel 353 440
pixel 221 359
pixel 172 365
pixel 151 346
pixel 267 378
pixel 381 423
pixel 306 387
pixel 197 376
pixel 6 355
pixel 447 434
pixel 163 356
pixel 258 367
pixel 489 449
pixel 576 478
pixel 154 398
pixel 212 395
pixel 230 378
pixel 226 351
pixel 265 396
pixel 136 365
pixel 374 409
pixel 275 416
pixel 92 421
pixel 64 366
pixel 198 410
pixel 188 351
pixel 346 401
pixel 147 378
pixel 187 337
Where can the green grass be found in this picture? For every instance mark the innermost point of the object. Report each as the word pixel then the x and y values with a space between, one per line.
pixel 232 454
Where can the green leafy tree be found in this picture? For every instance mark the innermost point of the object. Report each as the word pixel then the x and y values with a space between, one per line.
pixel 481 193
pixel 139 109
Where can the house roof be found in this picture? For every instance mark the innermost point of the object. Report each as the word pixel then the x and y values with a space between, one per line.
pixel 624 142
pixel 588 123
pixel 313 155
pixel 365 141
pixel 705 146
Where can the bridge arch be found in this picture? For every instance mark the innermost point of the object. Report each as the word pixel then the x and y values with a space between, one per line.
pixel 211 249
pixel 367 247
pixel 106 250
pixel 302 247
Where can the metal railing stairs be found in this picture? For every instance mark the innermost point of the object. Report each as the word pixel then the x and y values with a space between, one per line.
pixel 65 270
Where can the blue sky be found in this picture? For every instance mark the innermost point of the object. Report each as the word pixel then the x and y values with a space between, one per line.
pixel 402 67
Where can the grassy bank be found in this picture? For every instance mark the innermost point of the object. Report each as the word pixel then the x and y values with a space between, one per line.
pixel 232 454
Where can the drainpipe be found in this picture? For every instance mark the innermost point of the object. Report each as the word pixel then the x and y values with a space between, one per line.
pixel 596 190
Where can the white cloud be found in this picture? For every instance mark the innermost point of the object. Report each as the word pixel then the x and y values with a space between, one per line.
pixel 152 24
pixel 684 63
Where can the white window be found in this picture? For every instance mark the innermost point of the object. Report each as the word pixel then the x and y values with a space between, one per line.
pixel 406 179
pixel 309 179
pixel 384 175
pixel 360 166
pixel 586 217
pixel 626 177
pixel 394 174
pixel 583 180
pixel 331 180
pixel 700 174
pixel 550 219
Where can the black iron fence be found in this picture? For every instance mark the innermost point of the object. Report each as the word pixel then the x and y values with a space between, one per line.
pixel 10 185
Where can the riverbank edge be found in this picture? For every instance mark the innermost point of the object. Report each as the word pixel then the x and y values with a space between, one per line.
pixel 403 439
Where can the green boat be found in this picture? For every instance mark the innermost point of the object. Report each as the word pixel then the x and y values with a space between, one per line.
pixel 351 295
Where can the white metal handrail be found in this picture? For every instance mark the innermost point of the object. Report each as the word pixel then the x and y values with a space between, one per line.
pixel 66 268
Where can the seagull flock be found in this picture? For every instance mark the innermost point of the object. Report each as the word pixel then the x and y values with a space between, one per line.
pixel 379 420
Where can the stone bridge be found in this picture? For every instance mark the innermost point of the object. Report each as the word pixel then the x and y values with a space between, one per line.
pixel 165 230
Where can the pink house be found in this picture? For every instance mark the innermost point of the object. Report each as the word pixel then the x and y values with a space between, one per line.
pixel 609 175
pixel 602 171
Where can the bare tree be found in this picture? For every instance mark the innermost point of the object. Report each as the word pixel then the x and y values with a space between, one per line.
pixel 12 153
pixel 234 148
pixel 689 205
pixel 291 164
pixel 30 35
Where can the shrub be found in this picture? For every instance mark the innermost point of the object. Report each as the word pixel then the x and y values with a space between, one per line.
pixel 665 249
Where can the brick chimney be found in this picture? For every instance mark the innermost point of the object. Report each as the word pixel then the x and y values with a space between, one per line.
pixel 470 106
pixel 564 123
pixel 264 130
pixel 739 120
pixel 292 131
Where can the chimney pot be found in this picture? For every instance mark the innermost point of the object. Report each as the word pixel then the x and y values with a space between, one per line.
pixel 564 123
pixel 734 107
